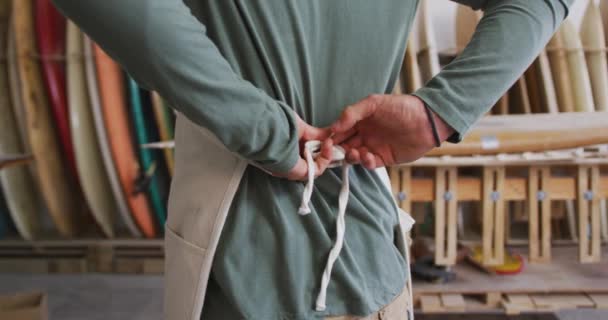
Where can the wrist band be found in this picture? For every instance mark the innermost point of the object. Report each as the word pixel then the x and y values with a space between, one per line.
pixel 429 113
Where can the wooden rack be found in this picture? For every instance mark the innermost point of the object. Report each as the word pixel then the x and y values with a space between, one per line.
pixel 563 284
pixel 82 256
pixel 581 181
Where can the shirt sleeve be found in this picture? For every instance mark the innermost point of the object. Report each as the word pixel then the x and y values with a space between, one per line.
pixel 508 38
pixel 165 48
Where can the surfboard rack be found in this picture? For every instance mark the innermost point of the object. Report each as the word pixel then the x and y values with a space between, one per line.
pixel 501 180
pixel 563 284
pixel 131 256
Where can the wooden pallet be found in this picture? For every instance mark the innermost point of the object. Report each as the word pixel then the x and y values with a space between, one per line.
pixel 563 284
pixel 82 256
pixel 445 187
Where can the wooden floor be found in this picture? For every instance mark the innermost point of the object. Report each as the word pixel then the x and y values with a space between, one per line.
pixel 562 284
pixel 564 274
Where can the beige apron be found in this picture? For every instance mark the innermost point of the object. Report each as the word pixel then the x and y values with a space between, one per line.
pixel 205 181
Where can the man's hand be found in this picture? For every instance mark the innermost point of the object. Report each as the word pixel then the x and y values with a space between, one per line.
pixel 383 130
pixel 306 133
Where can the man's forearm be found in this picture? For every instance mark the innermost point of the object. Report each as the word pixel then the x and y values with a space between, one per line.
pixel 508 38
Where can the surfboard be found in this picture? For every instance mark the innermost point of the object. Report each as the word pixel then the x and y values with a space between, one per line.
pixel 20 189
pixel 164 123
pixel 413 80
pixel 511 133
pixel 519 100
pixel 112 88
pixel 467 20
pixel 593 40
pixel 50 39
pixel 549 94
pixel 541 89
pixel 89 164
pixel 577 67
pixel 59 190
pixel 604 14
pixel 556 52
pixel 428 57
pixel 146 158
pixel 5 224
pixel 103 143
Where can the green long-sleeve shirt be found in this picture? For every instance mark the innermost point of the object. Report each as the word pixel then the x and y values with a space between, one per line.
pixel 241 68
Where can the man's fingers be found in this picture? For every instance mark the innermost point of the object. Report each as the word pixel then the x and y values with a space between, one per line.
pixel 314 133
pixel 355 113
pixel 352 156
pixel 354 142
pixel 369 161
pixel 339 138
pixel 325 157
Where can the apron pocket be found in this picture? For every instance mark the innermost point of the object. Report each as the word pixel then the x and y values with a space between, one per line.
pixel 183 263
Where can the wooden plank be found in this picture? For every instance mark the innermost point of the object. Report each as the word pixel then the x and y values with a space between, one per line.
pixel 492 299
pixel 430 304
pixel 539 210
pixel 469 189
pixel 453 302
pixel 589 214
pixel 557 301
pixel 440 213
pixel 599 299
pixel 493 216
pixel 446 211
pixel 564 274
pixel 517 303
pixel 24 265
pixel 511 134
pixel 520 299
pixel 406 187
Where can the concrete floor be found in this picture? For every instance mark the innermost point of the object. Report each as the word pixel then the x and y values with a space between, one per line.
pixel 93 297
pixel 110 297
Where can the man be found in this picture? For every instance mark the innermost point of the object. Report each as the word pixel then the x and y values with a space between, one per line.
pixel 252 81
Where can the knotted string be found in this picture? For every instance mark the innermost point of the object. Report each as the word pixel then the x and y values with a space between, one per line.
pixel 311 150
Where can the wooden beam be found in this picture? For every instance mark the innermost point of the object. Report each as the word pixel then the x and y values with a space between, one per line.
pixel 446 209
pixel 589 214
pixel 539 211
pixel 493 239
pixel 515 188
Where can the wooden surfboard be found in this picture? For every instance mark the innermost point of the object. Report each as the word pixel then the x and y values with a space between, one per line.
pixel 89 163
pixel 466 23
pixel 577 67
pixel 593 40
pixel 413 80
pixel 59 190
pixel 556 52
pixel 15 91
pixel 604 13
pixel 164 123
pixel 511 133
pixel 50 36
pixel 541 89
pixel 116 119
pixel 428 57
pixel 20 189
pixel 146 158
pixel 103 143
pixel 519 99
